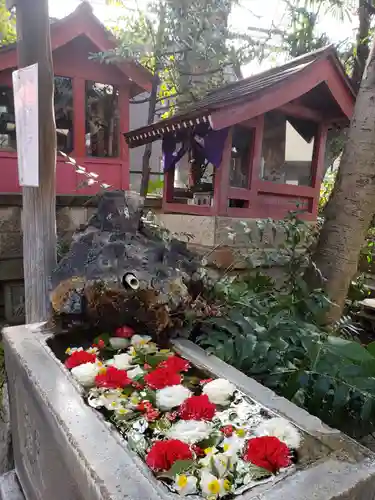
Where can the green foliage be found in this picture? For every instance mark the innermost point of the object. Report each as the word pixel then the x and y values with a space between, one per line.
pixel 328 375
pixel 273 333
pixel 326 188
pixel 7 25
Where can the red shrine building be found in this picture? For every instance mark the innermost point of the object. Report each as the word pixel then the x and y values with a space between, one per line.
pixel 254 148
pixel 91 106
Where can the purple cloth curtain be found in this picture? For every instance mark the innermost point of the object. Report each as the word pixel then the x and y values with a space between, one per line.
pixel 211 142
pixel 213 145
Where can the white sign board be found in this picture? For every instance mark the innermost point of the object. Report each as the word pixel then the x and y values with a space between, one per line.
pixel 25 88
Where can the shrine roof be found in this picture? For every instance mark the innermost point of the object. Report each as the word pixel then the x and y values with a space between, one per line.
pixel 306 73
pixel 83 22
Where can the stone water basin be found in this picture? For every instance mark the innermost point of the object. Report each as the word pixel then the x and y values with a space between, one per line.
pixel 66 450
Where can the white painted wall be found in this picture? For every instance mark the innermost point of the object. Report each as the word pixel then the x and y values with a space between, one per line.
pixel 297 149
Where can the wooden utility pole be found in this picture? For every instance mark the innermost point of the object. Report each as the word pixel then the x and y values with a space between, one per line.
pixel 39 203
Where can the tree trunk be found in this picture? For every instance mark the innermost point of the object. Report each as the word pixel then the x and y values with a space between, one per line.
pixel 362 44
pixel 352 202
pixel 39 203
pixel 146 169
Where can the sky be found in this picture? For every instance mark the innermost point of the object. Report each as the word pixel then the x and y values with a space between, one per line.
pixel 258 13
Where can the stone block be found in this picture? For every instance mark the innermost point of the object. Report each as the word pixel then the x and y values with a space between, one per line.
pixel 70 218
pixel 10 488
pixel 201 228
pixel 65 450
pixel 10 245
pixel 273 235
pixel 10 219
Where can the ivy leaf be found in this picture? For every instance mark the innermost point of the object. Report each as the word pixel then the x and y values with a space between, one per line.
pixel 257 473
pixel 104 337
pixel 178 467
pixel 163 424
pixel 154 359
pixel 210 442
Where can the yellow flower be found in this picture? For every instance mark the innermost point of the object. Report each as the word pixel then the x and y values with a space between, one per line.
pixel 226 447
pixel 134 400
pixel 241 432
pixel 182 481
pixel 227 485
pixel 214 487
pixel 68 351
pixel 208 450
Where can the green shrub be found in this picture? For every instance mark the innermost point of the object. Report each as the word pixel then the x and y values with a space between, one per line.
pixel 333 378
pixel 274 334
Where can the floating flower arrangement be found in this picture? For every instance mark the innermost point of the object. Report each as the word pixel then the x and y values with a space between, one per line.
pixel 199 436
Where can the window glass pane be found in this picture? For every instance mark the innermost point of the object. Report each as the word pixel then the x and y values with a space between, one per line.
pixel 102 120
pixel 287 150
pixel 64 113
pixel 240 159
pixel 7 120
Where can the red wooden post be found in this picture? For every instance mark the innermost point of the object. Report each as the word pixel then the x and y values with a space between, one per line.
pixel 79 116
pixel 168 187
pixel 221 184
pixel 256 159
pixel 124 127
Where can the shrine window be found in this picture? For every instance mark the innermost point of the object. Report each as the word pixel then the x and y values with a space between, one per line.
pixel 64 114
pixel 287 150
pixel 102 120
pixel 8 140
pixel 242 144
pixel 194 155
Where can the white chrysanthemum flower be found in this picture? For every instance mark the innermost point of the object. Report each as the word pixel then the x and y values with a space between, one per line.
pixel 185 485
pixel 219 391
pixel 121 361
pixel 190 431
pixel 85 374
pixel 119 343
pixel 233 445
pixel 282 429
pixel 140 340
pixel 212 487
pixel 172 396
pixel 135 372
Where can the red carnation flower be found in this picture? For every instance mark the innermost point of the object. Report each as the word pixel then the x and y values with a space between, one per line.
pixel 112 378
pixel 162 377
pixel 267 452
pixel 125 332
pixel 79 358
pixel 197 408
pixel 227 430
pixel 175 363
pixel 164 454
pixel 206 381
pixel 198 451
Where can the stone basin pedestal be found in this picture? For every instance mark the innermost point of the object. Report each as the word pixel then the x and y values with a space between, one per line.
pixel 65 450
